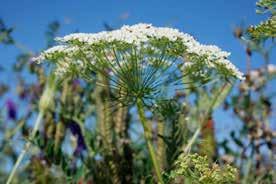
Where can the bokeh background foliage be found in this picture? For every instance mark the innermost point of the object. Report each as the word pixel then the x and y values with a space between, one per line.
pixel 86 136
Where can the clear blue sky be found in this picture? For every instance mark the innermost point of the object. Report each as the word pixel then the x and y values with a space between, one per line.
pixel 209 21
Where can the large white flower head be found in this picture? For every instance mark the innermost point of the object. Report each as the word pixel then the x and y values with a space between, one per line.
pixel 141 49
pixel 139 35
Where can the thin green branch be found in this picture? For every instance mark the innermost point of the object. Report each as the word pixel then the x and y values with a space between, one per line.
pixel 26 148
pixel 206 116
pixel 43 105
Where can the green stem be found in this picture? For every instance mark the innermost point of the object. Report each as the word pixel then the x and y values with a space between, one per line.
pixel 209 110
pixel 148 136
pixel 192 140
pixel 44 103
pixel 26 148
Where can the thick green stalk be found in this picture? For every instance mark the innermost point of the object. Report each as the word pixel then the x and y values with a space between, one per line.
pixel 148 136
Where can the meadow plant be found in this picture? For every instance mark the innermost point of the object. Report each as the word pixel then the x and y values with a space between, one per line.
pixel 138 63
pixel 151 92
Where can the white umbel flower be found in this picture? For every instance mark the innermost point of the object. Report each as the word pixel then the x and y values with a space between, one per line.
pixel 63 49
pixel 139 35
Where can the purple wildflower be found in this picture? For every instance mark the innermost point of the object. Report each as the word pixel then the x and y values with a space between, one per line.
pixel 11 109
pixel 76 131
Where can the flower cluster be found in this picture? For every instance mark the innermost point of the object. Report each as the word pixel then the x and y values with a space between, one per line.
pixel 196 169
pixel 145 39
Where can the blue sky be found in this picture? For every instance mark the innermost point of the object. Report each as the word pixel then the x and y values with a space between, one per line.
pixel 209 21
